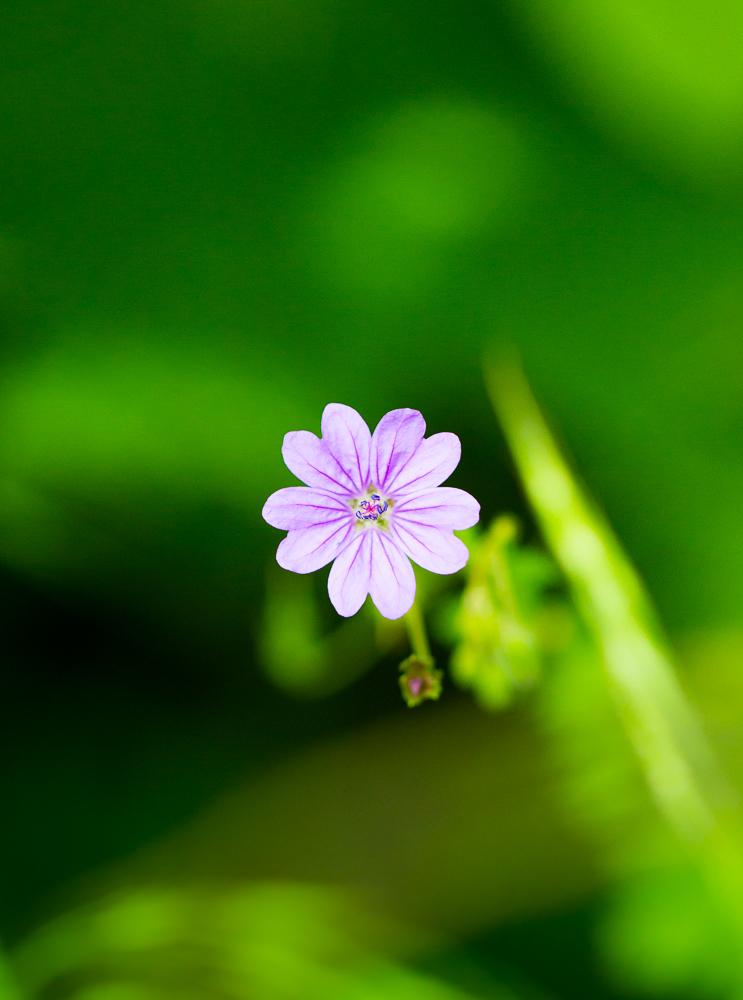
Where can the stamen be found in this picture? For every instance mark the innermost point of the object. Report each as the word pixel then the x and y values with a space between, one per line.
pixel 371 508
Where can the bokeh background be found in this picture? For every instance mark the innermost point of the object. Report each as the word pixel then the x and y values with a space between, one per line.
pixel 214 219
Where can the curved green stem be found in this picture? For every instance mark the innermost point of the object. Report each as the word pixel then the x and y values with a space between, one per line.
pixel 416 627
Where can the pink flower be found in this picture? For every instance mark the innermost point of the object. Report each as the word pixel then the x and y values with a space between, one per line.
pixel 372 501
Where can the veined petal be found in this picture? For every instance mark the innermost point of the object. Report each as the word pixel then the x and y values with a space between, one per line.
pixel 443 507
pixel 394 441
pixel 435 549
pixel 302 507
pixel 392 584
pixel 349 441
pixel 348 582
pixel 431 464
pixel 308 549
pixel 311 460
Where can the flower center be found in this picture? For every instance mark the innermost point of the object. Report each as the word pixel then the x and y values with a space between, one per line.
pixel 371 508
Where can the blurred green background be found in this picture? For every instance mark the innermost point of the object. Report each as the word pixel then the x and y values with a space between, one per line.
pixel 214 219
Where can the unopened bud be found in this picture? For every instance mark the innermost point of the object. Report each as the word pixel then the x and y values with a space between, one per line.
pixel 419 681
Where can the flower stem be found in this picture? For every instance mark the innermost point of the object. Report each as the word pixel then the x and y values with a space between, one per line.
pixel 416 627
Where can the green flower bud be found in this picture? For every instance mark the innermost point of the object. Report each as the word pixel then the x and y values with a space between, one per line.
pixel 419 681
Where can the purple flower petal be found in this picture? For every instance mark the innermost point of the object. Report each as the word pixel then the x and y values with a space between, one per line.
pixel 349 579
pixel 444 507
pixel 392 585
pixel 433 462
pixel 432 548
pixel 349 441
pixel 308 549
pixel 394 441
pixel 310 460
pixel 302 507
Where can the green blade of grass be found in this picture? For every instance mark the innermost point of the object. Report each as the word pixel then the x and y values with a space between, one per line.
pixel 679 765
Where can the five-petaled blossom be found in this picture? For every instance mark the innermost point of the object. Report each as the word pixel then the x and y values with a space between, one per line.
pixel 371 502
